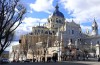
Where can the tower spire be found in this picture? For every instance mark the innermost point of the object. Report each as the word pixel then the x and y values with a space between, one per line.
pixel 56 7
pixel 94 19
pixel 72 19
pixel 94 28
pixel 39 23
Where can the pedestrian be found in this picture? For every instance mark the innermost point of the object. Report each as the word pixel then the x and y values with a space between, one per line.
pixel 87 56
pixel 98 58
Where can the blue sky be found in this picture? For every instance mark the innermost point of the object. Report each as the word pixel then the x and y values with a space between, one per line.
pixel 81 11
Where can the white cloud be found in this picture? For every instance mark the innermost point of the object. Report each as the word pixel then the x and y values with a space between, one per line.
pixel 33 21
pixel 12 44
pixel 82 10
pixel 42 6
pixel 86 27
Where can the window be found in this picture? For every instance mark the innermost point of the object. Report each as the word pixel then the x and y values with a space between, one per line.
pixel 51 19
pixel 38 31
pixel 41 31
pixel 93 28
pixel 80 39
pixel 57 20
pixel 53 32
pixel 97 42
pixel 80 30
pixel 53 26
pixel 41 51
pixel 72 31
pixel 70 40
pixel 35 31
pixel 69 31
pixel 46 32
pixel 49 32
pixel 60 21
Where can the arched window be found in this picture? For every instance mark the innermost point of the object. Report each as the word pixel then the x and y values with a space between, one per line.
pixel 60 21
pixel 46 32
pixel 57 20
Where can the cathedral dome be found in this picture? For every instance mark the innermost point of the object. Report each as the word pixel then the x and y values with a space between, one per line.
pixel 57 12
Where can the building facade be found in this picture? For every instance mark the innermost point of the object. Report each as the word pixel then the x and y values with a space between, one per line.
pixel 61 39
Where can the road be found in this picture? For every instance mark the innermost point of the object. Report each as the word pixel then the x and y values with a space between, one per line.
pixel 59 63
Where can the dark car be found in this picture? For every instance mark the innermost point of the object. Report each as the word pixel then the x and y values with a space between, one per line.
pixel 99 59
pixel 4 60
pixel 27 60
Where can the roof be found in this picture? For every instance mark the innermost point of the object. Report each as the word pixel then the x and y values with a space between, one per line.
pixel 57 12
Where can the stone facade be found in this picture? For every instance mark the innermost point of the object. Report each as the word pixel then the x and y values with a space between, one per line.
pixel 61 37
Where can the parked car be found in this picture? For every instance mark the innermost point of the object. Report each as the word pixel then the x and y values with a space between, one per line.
pixel 99 59
pixel 4 60
pixel 27 60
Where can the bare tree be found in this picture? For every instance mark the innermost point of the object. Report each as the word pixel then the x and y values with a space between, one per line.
pixel 23 46
pixel 33 49
pixel 11 14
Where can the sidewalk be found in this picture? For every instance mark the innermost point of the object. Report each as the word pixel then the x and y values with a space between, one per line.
pixel 86 60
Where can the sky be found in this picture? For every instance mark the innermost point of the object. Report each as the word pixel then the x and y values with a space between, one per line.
pixel 82 12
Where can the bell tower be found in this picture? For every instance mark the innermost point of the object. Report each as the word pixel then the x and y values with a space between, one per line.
pixel 94 28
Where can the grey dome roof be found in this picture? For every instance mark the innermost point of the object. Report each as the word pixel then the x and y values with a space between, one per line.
pixel 57 12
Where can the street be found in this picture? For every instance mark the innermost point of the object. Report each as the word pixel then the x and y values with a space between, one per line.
pixel 59 63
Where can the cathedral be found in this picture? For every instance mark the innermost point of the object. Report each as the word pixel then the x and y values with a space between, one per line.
pixel 61 39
